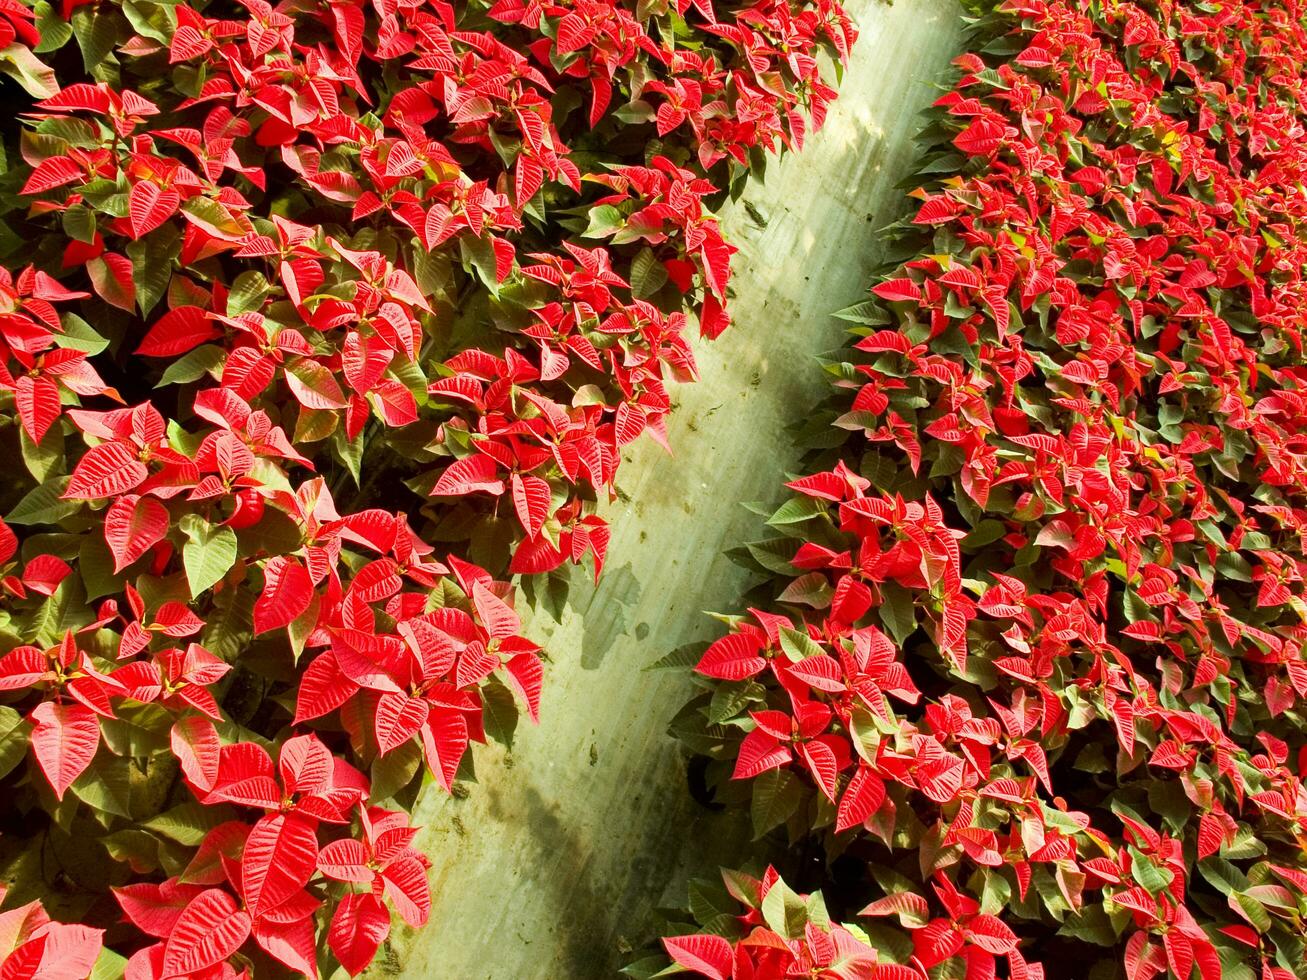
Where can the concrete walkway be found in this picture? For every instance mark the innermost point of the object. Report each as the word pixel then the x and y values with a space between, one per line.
pixel 551 865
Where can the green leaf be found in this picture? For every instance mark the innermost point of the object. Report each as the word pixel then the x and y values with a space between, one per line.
pixel 798 509
pixel 869 313
pixel 1222 875
pixel 500 713
pixel 54 30
pixel 775 554
pixel 108 965
pixel 152 265
pixel 95 563
pixel 395 770
pixel 812 589
pixel 43 505
pixel 1152 876
pixel 1255 911
pixel 1090 925
pixel 138 730
pixel 248 292
pixel 212 217
pixel 194 365
pixel 797 644
pixel 43 460
pixel 157 21
pixel 784 911
pixel 776 796
pixel 682 658
pixel 14 734
pixel 65 610
pixel 79 223
pixel 107 786
pixel 19 63
pixel 80 335
pixel 96 34
pixel 898 613
pixel 187 823
pixel 605 221
pixel 230 626
pixel 479 257
pixel 349 451
pixel 730 699
pixel 984 533
pixel 648 275
pixel 208 555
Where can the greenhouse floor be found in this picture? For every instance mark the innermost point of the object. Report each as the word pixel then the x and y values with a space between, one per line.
pixel 551 870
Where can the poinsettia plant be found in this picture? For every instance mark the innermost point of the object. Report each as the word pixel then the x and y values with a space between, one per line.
pixel 1026 653
pixel 323 328
pixel 761 929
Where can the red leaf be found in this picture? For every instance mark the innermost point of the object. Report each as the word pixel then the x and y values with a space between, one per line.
pixel 360 925
pixel 395 403
pixel 323 688
pixel 912 909
pixel 495 614
pixel 79 97
pixel 528 175
pixel 865 793
pixel 44 573
pixel 105 471
pixel 732 658
pixel 710 956
pixel 132 526
pixel 444 740
pixel 936 942
pixel 37 401
pixel 346 860
pixel 23 667
pixel 210 929
pixel 50 173
pixel 1211 835
pixel 287 593
pixel 820 672
pixel 898 289
pixel 64 740
pixel 197 747
pixel 629 421
pixel 290 943
pixel 469 475
pixel 399 718
pixel 1179 952
pixel 313 385
pixel 981 137
pixel 155 909
pixel 279 858
pixel 111 275
pixel 574 33
pixel 149 206
pixel 305 765
pixel 992 934
pixel 177 332
pixel 531 499
pixel 406 886
pixel 824 767
pixel 716 262
pixel 525 675
pixel 245 776
pixel 70 952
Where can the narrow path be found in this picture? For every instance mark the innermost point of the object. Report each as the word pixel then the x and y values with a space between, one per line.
pixel 561 851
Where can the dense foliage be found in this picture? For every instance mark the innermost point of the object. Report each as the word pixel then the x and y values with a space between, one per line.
pixel 318 323
pixel 1030 657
